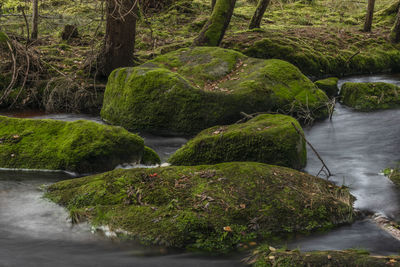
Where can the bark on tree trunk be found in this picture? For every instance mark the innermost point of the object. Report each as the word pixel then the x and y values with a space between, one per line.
pixel 213 4
pixel 119 43
pixel 370 15
pixel 395 34
pixel 214 30
pixel 258 14
pixel 35 17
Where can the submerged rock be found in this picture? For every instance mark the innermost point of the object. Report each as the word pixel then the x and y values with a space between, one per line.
pixel 213 208
pixel 267 138
pixel 79 146
pixel 329 86
pixel 267 256
pixel 191 89
pixel 370 96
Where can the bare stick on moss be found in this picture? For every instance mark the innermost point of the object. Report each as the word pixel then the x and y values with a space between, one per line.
pixel 350 58
pixel 315 151
pixel 258 14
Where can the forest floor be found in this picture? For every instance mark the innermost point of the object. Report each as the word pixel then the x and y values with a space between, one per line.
pixel 319 38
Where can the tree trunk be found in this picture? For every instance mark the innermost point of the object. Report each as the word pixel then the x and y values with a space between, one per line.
pixel 119 43
pixel 35 17
pixel 213 4
pixel 258 14
pixel 214 30
pixel 370 15
pixel 395 34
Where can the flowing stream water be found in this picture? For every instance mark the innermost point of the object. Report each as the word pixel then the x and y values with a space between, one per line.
pixel 356 147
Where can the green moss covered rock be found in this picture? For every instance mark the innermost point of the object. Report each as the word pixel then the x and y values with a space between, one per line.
pixel 370 96
pixel 320 54
pixel 79 146
pixel 267 138
pixel 150 157
pixel 264 257
pixel 329 86
pixel 186 91
pixel 211 207
pixel 394 175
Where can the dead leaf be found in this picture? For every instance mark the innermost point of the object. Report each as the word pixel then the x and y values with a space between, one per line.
pixel 227 229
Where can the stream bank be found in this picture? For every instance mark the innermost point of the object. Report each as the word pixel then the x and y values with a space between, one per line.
pixel 356 147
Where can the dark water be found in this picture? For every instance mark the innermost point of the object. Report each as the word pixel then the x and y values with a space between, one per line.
pixel 355 146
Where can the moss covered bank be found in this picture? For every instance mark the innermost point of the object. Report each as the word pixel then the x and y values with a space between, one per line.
pixel 370 96
pixel 267 257
pixel 191 89
pixel 214 208
pixel 79 146
pixel 267 138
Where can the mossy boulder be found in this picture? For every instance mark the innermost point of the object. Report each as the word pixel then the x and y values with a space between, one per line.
pixel 320 52
pixel 264 257
pixel 214 208
pixel 79 146
pixel 267 138
pixel 370 96
pixel 329 86
pixel 150 157
pixel 191 89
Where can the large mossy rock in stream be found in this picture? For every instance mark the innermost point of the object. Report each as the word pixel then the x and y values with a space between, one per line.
pixel 191 89
pixel 264 257
pixel 80 146
pixel 213 208
pixel 329 86
pixel 267 138
pixel 370 96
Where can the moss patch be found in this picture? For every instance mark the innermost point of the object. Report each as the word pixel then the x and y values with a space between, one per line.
pixel 79 146
pixel 329 86
pixel 150 157
pixel 318 51
pixel 213 208
pixel 370 96
pixel 267 138
pixel 194 88
pixel 264 257
pixel 394 175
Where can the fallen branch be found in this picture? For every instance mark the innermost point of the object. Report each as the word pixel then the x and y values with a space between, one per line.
pixel 326 171
pixel 350 58
pixel 247 117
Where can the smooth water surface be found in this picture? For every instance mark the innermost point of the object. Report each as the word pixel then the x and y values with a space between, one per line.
pixel 357 146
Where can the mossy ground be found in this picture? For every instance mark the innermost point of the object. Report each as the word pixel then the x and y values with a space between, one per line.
pixel 80 146
pixel 215 208
pixel 267 138
pixel 264 257
pixel 321 38
pixel 370 96
pixel 186 91
pixel 329 86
